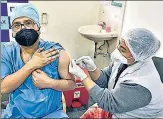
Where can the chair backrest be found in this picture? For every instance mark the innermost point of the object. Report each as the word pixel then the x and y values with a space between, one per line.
pixel 159 66
pixel 4 100
pixel 5 97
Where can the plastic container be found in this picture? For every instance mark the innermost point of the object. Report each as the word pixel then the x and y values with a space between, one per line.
pixel 108 26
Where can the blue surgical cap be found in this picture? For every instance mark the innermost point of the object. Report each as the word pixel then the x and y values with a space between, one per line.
pixel 26 10
pixel 142 43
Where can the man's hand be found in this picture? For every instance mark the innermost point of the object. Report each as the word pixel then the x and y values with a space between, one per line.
pixel 87 63
pixel 40 79
pixel 40 59
pixel 76 70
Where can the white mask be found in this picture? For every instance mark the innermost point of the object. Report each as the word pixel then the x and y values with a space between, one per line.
pixel 118 57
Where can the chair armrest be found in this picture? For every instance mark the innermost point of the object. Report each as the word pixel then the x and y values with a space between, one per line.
pixel 64 103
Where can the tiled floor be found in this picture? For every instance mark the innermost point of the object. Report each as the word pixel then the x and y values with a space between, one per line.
pixel 76 113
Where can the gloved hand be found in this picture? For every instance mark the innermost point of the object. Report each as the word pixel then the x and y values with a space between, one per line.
pixel 87 63
pixel 76 70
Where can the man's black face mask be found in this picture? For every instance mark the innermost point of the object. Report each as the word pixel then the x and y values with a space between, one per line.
pixel 26 37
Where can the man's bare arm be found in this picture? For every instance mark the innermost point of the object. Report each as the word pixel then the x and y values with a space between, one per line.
pixel 13 81
pixel 67 82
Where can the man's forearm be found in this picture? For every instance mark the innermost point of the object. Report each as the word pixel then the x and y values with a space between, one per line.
pixel 13 81
pixel 95 74
pixel 62 84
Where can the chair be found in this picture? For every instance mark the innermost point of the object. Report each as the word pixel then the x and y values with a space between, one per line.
pixel 4 100
pixel 159 66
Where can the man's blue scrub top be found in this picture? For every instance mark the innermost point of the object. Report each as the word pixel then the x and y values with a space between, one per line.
pixel 27 101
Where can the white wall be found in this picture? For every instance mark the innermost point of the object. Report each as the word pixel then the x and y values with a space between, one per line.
pixel 65 17
pixel 115 15
pixel 147 14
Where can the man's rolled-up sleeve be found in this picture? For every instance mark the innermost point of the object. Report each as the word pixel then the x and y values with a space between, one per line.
pixel 5 69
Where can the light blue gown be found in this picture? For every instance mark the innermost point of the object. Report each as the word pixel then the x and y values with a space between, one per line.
pixel 27 101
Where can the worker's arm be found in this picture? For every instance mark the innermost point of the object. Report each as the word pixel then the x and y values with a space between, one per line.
pixel 95 75
pixel 100 77
pixel 41 80
pixel 123 98
pixel 103 77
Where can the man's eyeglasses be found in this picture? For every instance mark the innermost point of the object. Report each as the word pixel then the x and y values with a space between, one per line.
pixel 18 26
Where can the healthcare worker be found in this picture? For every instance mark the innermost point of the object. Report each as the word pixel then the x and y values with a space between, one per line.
pixel 31 71
pixel 130 87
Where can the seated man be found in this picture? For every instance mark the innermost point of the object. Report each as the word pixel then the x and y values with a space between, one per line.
pixel 32 71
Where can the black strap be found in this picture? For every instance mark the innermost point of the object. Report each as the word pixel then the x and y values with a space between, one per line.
pixel 121 68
